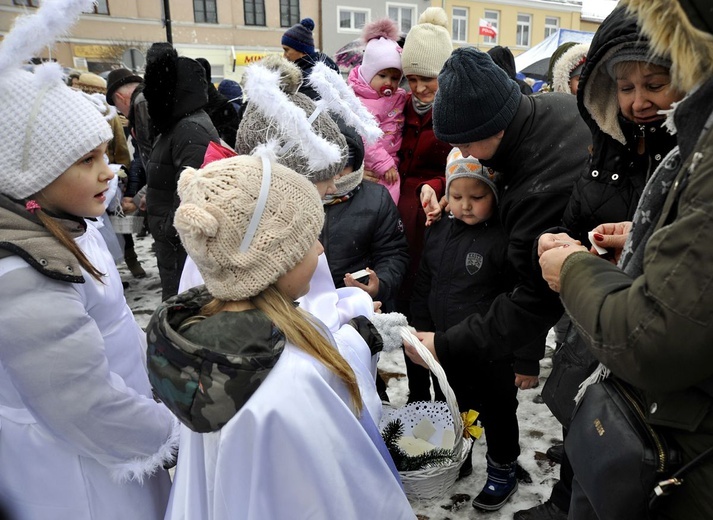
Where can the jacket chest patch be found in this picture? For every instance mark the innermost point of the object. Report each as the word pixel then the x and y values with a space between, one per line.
pixel 473 263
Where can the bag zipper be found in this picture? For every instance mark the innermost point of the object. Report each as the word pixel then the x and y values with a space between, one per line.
pixel 661 465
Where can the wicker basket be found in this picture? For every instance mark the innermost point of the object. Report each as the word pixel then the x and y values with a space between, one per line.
pixel 433 482
pixel 126 224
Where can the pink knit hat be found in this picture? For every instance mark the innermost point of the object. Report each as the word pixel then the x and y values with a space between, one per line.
pixel 381 51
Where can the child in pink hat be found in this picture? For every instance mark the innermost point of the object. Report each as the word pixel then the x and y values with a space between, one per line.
pixel 376 84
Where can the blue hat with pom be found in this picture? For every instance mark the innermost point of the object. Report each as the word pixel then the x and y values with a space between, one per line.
pixel 299 36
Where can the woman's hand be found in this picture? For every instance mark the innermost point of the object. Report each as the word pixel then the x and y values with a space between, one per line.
pixel 549 241
pixel 370 176
pixel 551 263
pixel 391 176
pixel 612 237
pixel 426 339
pixel 429 202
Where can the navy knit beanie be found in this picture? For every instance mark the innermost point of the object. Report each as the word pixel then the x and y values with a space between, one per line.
pixel 476 99
pixel 299 36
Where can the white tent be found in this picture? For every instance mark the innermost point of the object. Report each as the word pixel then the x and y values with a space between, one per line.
pixel 534 62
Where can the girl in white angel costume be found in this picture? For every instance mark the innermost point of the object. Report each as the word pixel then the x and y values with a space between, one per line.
pixel 81 436
pixel 301 442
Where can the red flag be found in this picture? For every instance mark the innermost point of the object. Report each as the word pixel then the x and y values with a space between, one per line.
pixel 485 28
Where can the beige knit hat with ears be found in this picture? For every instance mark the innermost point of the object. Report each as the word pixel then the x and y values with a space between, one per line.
pixel 246 221
pixel 428 44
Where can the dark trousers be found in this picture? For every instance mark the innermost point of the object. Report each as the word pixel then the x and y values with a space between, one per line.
pixel 561 495
pixel 170 258
pixel 491 391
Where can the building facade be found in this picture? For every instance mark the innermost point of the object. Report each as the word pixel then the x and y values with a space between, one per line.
pixel 229 34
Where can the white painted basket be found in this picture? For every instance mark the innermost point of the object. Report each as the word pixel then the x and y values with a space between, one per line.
pixel 432 482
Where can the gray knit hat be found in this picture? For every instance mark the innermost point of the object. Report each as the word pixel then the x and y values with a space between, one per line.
pixel 267 118
pixel 476 99
pixel 428 44
pixel 458 167
pixel 635 51
pixel 242 235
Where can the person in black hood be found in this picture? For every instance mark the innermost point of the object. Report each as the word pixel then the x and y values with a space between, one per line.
pixel 219 108
pixel 503 58
pixel 176 92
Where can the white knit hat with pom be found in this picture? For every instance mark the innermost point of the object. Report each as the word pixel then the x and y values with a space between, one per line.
pixel 246 221
pixel 45 126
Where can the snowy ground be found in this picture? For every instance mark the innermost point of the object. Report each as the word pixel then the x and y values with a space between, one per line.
pixel 538 429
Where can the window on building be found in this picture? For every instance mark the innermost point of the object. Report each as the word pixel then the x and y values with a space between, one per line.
pixel 552 24
pixel 403 14
pixel 522 35
pixel 352 19
pixel 254 12
pixel 99 7
pixel 289 12
pixel 460 24
pixel 204 11
pixel 494 18
pixel 27 3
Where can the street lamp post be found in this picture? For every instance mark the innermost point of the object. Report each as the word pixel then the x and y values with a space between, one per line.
pixel 167 21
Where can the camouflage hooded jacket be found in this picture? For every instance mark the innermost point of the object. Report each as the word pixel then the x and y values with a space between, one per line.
pixel 205 372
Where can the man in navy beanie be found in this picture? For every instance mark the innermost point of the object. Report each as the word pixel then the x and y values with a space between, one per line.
pixel 298 47
pixel 538 144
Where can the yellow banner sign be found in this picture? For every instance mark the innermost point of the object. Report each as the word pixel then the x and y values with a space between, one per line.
pixel 246 57
pixel 94 51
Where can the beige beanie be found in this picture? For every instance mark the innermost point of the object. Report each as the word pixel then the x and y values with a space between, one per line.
pixel 244 229
pixel 428 44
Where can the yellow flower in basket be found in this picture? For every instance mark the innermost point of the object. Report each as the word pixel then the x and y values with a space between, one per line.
pixel 470 429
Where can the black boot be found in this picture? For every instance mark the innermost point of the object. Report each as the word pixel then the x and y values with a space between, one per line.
pixel 132 262
pixel 499 487
pixel 546 511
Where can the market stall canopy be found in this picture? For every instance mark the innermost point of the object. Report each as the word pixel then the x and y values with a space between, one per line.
pixel 534 62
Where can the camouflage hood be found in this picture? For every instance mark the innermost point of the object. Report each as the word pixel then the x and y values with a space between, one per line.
pixel 206 372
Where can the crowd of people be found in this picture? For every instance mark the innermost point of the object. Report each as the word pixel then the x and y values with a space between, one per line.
pixel 291 209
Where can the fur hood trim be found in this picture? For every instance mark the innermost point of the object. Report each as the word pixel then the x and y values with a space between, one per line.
pixel 671 33
pixel 572 57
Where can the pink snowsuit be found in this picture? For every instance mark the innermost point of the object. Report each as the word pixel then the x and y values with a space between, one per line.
pixel 389 112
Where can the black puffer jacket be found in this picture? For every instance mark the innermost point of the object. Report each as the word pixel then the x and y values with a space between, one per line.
pixel 175 102
pixel 624 154
pixel 366 231
pixel 463 268
pixel 543 149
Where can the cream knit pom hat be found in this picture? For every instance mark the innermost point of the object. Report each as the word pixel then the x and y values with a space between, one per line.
pixel 428 44
pixel 45 126
pixel 246 221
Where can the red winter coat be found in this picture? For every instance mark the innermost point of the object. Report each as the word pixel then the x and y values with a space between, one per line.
pixel 423 161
